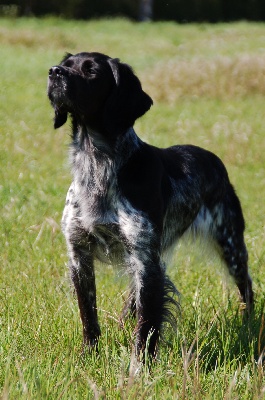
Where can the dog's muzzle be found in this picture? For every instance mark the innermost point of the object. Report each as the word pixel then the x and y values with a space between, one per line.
pixel 57 83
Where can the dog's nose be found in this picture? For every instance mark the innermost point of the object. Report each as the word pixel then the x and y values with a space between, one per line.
pixel 53 71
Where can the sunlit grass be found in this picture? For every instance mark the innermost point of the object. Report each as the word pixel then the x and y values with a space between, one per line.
pixel 208 86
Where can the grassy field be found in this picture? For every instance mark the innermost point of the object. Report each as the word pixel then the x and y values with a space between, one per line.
pixel 208 86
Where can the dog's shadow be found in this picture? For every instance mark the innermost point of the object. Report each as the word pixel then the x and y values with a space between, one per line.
pixel 229 337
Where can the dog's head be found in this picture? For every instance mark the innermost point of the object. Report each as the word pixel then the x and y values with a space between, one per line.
pixel 98 91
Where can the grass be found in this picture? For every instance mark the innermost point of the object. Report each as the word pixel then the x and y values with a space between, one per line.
pixel 208 85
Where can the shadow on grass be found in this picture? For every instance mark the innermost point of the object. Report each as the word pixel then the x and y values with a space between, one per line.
pixel 215 337
pixel 232 337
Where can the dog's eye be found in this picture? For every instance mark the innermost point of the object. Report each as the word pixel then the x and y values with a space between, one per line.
pixel 88 68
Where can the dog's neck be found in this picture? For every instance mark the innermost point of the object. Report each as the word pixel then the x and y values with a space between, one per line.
pixel 93 159
pixel 91 141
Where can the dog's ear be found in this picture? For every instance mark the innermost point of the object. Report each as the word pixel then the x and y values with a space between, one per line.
pixel 60 118
pixel 128 100
pixel 113 62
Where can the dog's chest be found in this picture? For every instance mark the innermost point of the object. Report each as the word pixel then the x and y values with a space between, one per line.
pixel 90 213
pixel 97 210
pixel 97 206
pixel 95 188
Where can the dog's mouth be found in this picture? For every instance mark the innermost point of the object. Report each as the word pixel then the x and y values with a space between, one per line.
pixel 58 85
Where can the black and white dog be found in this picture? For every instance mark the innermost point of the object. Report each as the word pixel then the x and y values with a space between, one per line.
pixel 130 202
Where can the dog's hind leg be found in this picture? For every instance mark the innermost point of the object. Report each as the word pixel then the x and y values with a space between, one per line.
pixel 228 231
pixel 83 277
pixel 234 253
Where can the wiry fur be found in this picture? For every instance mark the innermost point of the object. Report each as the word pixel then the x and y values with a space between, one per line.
pixel 130 202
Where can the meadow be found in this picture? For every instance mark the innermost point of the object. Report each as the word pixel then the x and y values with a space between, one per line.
pixel 208 86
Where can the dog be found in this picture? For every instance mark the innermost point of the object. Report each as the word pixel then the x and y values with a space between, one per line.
pixel 130 202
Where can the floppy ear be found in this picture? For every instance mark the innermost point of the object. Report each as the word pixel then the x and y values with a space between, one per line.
pixel 60 117
pixel 128 100
pixel 113 62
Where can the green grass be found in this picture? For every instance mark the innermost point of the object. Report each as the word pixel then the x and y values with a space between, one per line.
pixel 208 86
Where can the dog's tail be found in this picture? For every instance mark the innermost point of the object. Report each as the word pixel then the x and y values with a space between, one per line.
pixel 171 306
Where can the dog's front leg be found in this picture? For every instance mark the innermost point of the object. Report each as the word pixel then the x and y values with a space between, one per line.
pixel 83 277
pixel 149 308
